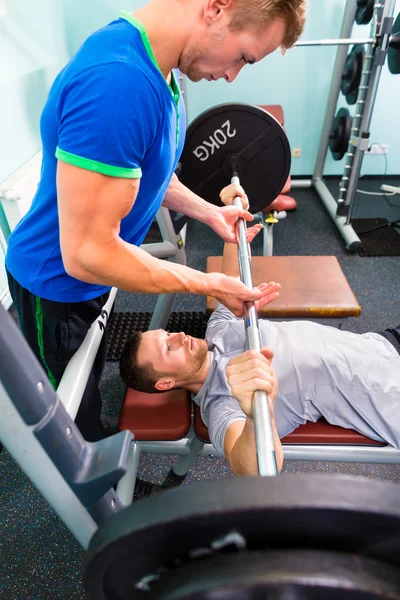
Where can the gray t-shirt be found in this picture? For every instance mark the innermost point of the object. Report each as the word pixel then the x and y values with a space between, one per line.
pixel 353 380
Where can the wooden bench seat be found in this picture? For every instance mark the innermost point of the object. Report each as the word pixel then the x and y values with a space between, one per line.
pixel 313 287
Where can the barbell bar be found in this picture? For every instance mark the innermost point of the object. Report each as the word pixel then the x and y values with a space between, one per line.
pixel 336 42
pixel 266 457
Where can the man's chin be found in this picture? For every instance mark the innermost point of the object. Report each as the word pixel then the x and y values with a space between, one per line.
pixel 195 77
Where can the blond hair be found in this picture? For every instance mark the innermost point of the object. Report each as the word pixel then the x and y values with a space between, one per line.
pixel 257 13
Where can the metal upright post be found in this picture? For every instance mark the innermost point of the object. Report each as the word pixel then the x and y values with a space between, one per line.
pixel 165 302
pixel 76 477
pixel 352 240
pixel 341 56
pixel 21 443
pixel 372 69
pixel 340 210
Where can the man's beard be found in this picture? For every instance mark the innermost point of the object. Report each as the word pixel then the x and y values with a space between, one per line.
pixel 188 64
pixel 198 361
pixel 201 356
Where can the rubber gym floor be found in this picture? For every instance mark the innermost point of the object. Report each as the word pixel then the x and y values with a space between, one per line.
pixel 39 558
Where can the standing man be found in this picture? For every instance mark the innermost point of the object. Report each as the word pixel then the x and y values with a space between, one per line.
pixel 112 130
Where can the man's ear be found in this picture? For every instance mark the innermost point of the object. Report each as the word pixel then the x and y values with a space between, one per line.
pixel 213 9
pixel 164 384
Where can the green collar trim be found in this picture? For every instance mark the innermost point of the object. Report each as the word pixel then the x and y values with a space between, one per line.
pixel 131 19
pixel 174 88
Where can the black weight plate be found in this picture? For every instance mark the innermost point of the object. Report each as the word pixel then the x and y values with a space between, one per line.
pixel 340 136
pixel 394 48
pixel 352 73
pixel 259 575
pixel 292 512
pixel 236 130
pixel 365 11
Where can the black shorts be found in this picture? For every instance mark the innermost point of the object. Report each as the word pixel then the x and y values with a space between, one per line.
pixel 55 331
pixel 393 336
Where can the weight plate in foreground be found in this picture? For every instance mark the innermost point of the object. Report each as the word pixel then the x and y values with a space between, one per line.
pixel 309 575
pixel 243 134
pixel 352 73
pixel 340 136
pixel 133 551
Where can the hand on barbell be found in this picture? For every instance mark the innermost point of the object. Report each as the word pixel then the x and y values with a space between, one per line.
pixel 230 192
pixel 249 372
pixel 223 221
pixel 232 293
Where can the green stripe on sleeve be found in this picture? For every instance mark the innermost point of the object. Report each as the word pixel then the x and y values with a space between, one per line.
pixel 39 326
pixel 98 167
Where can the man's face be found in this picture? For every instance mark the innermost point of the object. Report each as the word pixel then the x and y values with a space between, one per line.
pixel 175 356
pixel 221 53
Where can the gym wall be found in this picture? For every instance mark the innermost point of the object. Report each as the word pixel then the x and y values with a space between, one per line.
pixel 300 82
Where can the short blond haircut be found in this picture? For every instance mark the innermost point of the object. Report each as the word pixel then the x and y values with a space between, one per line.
pixel 257 13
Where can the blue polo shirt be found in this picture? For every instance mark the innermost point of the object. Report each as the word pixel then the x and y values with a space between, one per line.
pixel 111 111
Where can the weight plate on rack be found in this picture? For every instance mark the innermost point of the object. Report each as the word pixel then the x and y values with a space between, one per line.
pixel 365 11
pixel 352 73
pixel 340 136
pixel 394 48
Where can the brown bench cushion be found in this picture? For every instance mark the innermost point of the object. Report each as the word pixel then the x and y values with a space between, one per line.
pixel 156 417
pixel 320 432
pixel 312 286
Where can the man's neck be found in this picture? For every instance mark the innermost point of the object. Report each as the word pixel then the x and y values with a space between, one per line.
pixel 167 24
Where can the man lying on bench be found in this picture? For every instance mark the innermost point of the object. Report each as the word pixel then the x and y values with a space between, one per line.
pixel 350 379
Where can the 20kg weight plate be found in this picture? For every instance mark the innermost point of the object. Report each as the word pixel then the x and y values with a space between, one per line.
pixel 352 73
pixel 340 136
pixel 249 137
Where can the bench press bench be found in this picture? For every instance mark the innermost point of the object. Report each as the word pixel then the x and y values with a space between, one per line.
pixel 314 288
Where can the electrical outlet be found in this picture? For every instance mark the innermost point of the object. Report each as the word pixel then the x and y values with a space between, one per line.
pixel 378 149
pixel 296 152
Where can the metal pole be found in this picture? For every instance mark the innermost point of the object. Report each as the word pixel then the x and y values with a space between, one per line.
pixel 335 42
pixel 77 371
pixel 21 443
pixel 164 304
pixel 300 184
pixel 347 26
pixel 382 25
pixel 262 418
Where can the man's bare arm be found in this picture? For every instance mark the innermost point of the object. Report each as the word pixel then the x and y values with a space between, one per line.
pixel 180 199
pixel 247 373
pixel 91 207
pixel 240 447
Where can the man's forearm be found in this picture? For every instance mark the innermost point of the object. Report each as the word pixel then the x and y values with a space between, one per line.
pixel 130 268
pixel 243 456
pixel 180 199
pixel 230 262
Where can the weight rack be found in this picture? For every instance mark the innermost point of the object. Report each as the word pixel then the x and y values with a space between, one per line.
pixel 341 209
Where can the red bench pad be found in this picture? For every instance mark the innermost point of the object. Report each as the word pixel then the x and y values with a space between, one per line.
pixel 156 417
pixel 320 432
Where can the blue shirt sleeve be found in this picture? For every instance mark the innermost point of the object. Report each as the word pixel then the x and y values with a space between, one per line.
pixel 108 120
